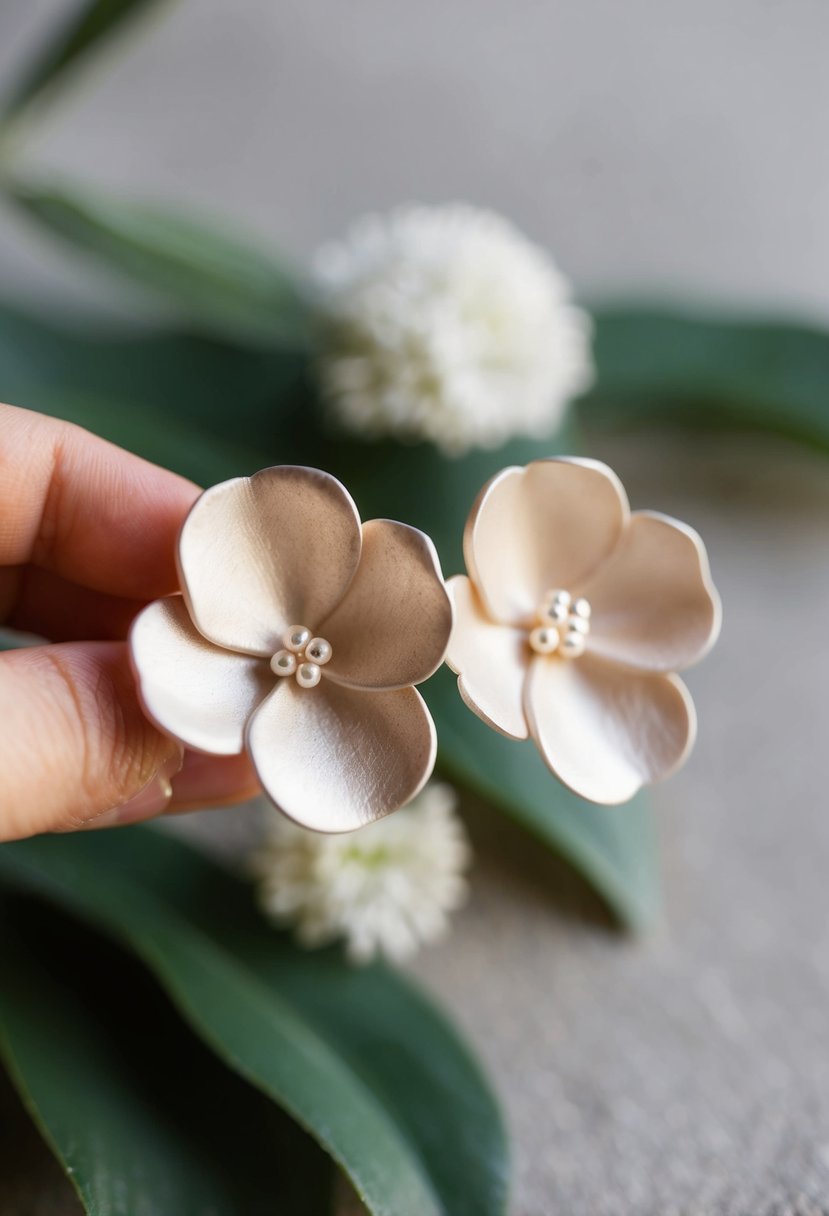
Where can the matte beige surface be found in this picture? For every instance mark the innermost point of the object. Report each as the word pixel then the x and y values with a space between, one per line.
pixel 654 603
pixel 258 555
pixel 604 731
pixel 337 742
pixel 492 658
pixel 604 723
pixel 335 758
pixel 192 689
pixel 536 529
pixel 393 625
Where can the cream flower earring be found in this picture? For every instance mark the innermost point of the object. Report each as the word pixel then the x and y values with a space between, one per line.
pixel 574 617
pixel 299 637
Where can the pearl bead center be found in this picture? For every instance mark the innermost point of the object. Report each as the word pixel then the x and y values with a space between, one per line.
pixel 302 656
pixel 563 625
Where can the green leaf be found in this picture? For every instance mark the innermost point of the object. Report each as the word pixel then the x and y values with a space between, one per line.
pixel 140 1115
pixel 671 367
pixel 164 440
pixel 214 278
pixel 613 848
pixel 88 26
pixel 207 410
pixel 359 1058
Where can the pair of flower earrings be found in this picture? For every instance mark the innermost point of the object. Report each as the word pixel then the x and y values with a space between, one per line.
pixel 300 635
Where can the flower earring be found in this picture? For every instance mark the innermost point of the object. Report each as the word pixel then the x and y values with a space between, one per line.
pixel 299 637
pixel 574 617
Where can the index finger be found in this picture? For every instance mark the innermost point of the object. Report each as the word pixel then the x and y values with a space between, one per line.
pixel 87 510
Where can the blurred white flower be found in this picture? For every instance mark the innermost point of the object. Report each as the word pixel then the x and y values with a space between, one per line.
pixel 446 324
pixel 384 889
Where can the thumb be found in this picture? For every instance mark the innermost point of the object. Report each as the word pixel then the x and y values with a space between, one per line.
pixel 75 744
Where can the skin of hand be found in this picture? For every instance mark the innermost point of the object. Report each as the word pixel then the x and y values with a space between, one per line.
pixel 87 537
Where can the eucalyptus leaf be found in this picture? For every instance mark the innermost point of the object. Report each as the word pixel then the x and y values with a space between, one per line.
pixel 140 1115
pixel 230 287
pixel 359 1058
pixel 206 409
pixel 88 26
pixel 668 367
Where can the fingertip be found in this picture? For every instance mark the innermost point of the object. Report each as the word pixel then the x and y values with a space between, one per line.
pixel 77 744
pixel 86 509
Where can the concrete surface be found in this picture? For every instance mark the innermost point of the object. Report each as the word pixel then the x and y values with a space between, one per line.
pixel 673 147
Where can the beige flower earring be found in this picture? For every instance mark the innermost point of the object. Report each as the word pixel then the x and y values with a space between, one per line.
pixel 574 618
pixel 299 637
pixel 300 634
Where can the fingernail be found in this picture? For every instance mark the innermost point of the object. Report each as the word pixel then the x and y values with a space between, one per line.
pixel 151 801
pixel 207 780
pixel 146 804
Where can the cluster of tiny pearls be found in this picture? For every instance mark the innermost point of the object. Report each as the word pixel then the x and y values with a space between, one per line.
pixel 563 625
pixel 302 656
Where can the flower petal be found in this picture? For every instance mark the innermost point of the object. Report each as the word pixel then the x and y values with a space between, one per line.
pixel 393 626
pixel 190 688
pixel 654 604
pixel 605 731
pixel 490 661
pixel 546 526
pixel 333 759
pixel 259 554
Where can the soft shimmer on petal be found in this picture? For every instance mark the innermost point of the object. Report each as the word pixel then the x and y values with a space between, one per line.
pixel 262 553
pixel 539 528
pixel 654 605
pixel 490 661
pixel 193 690
pixel 393 625
pixel 334 759
pixel 605 731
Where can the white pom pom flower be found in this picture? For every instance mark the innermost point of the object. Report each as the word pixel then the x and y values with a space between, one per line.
pixel 386 889
pixel 446 324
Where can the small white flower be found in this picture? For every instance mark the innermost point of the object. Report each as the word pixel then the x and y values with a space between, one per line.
pixel 384 889
pixel 446 324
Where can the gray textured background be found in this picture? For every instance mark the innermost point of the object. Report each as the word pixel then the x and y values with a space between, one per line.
pixel 666 147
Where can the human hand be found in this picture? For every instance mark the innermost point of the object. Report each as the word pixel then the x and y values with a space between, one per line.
pixel 87 537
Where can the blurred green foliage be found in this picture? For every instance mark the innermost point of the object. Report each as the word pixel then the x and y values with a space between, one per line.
pixel 358 1057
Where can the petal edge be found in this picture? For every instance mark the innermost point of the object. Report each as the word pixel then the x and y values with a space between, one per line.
pixel 392 627
pixel 547 525
pixel 195 691
pixel 655 606
pixel 604 731
pixel 490 661
pixel 334 759
pixel 259 554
